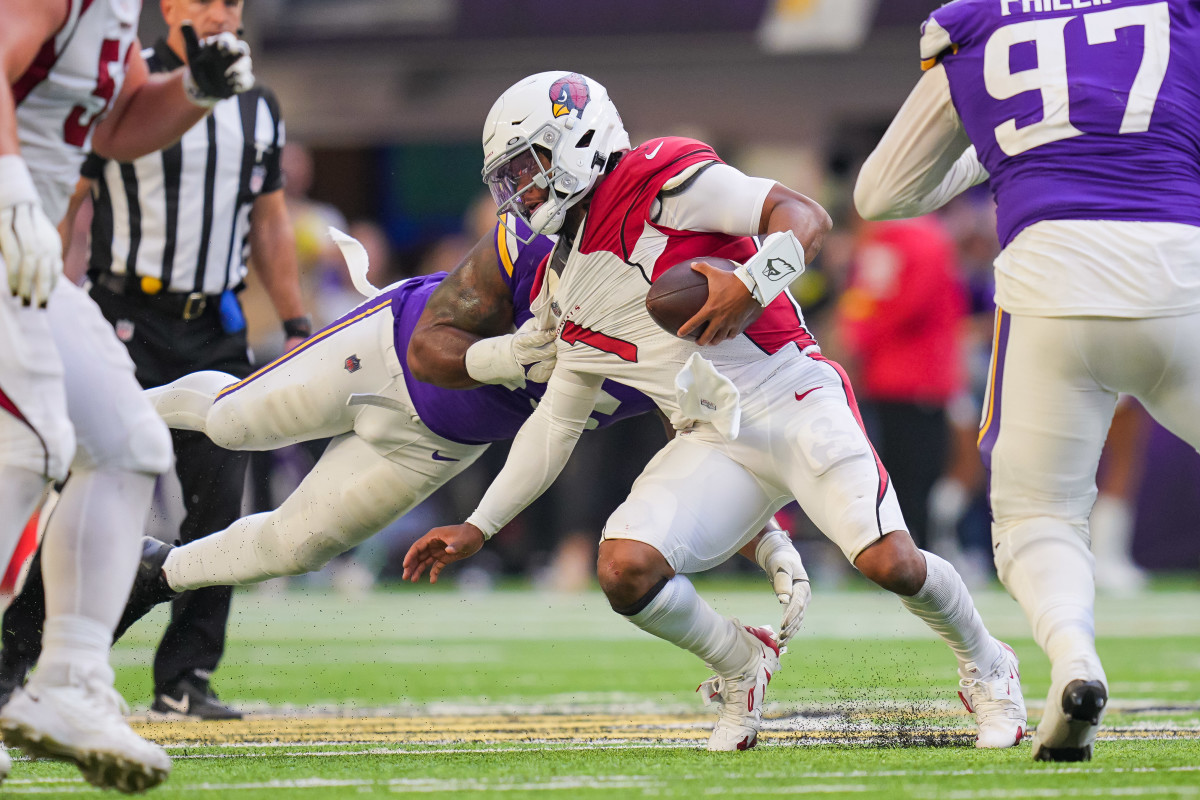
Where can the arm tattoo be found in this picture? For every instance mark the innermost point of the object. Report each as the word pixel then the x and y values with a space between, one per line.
pixel 473 298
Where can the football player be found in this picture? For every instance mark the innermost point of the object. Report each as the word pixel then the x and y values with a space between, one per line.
pixel 75 80
pixel 762 416
pixel 1082 118
pixel 412 386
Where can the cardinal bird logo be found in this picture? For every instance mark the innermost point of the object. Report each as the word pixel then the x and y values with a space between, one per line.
pixel 569 93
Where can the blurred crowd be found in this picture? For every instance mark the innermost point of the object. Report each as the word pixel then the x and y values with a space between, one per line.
pixel 906 307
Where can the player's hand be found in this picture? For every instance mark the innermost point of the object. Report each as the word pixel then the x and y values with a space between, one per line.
pixel 729 310
pixel 782 564
pixel 292 342
pixel 29 242
pixel 502 359
pixel 439 547
pixel 218 67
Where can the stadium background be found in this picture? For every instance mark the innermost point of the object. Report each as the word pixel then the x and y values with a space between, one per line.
pixel 501 682
pixel 388 96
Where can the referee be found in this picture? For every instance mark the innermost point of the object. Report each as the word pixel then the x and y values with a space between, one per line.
pixel 170 237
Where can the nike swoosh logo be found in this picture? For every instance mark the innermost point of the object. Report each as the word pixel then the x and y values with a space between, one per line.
pixel 800 397
pixel 181 706
pixel 437 456
pixel 654 152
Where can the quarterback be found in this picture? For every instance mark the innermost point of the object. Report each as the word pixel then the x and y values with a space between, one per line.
pixel 76 82
pixel 1083 120
pixel 762 417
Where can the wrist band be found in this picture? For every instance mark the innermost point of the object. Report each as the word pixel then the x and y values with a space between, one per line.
pixel 298 327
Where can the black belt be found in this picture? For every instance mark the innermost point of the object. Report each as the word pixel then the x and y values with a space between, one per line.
pixel 186 305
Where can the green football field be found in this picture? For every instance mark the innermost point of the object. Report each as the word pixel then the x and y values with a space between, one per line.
pixel 516 693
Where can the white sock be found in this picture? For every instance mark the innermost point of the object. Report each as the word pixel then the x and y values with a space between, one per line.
pixel 681 617
pixel 945 605
pixel 1050 573
pixel 92 544
pixel 74 645
pixel 184 404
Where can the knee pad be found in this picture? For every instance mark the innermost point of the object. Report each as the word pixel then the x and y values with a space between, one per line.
pixel 1035 539
pixel 145 447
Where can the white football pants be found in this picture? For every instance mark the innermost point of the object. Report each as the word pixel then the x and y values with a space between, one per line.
pixel 1053 390
pixel 345 382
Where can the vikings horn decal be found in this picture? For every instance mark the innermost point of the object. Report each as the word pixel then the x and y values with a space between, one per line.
pixel 569 93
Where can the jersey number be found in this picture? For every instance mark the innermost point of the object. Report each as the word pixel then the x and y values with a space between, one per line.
pixel 80 121
pixel 1049 77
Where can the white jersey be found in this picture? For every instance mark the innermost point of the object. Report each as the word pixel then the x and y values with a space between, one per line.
pixel 67 89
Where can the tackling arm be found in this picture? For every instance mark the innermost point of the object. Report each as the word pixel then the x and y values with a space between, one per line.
pixel 924 159
pixel 471 304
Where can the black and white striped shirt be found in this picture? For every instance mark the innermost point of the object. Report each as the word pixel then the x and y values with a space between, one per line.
pixel 182 215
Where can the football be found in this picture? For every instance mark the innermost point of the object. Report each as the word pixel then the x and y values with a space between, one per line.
pixel 680 292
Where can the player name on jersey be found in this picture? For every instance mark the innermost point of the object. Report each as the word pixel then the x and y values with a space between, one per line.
pixel 1008 7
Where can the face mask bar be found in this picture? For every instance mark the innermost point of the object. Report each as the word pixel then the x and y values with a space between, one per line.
pixel 520 170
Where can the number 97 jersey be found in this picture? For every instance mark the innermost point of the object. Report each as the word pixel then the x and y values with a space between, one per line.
pixel 1079 109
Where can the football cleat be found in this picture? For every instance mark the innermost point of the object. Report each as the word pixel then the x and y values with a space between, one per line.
pixel 83 721
pixel 191 699
pixel 996 701
pixel 741 697
pixel 1069 724
pixel 150 586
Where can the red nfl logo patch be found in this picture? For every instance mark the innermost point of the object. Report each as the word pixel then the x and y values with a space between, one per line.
pixel 353 364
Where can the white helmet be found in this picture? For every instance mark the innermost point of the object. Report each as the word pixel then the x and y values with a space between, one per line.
pixel 570 118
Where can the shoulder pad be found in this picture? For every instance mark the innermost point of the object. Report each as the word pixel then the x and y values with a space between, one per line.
pixel 935 43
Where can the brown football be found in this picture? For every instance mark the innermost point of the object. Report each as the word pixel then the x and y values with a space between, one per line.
pixel 680 292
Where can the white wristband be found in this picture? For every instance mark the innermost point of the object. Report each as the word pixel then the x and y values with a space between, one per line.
pixel 16 184
pixel 778 262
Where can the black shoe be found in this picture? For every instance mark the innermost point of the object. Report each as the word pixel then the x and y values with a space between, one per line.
pixel 150 586
pixel 1083 704
pixel 192 699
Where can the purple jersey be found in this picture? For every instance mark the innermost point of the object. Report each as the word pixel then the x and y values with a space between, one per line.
pixel 490 413
pixel 1079 109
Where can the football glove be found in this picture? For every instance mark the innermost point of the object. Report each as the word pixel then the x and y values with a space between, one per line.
pixel 502 359
pixel 218 67
pixel 29 242
pixel 779 559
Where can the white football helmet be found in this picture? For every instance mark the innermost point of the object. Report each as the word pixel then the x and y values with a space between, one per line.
pixel 570 119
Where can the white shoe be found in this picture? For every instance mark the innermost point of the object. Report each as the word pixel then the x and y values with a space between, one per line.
pixel 996 701
pixel 82 721
pixel 1073 712
pixel 5 763
pixel 741 697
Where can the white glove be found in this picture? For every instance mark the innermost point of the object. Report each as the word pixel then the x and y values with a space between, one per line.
pixel 218 67
pixel 29 242
pixel 779 559
pixel 502 359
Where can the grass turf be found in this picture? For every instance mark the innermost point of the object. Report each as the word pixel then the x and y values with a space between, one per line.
pixel 521 694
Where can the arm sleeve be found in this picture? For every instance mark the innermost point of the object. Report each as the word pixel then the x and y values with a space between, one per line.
pixel 923 160
pixel 540 450
pixel 715 197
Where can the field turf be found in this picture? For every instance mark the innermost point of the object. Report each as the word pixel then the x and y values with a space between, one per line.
pixel 516 693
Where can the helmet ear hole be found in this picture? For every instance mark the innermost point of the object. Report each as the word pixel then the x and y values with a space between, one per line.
pixel 586 139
